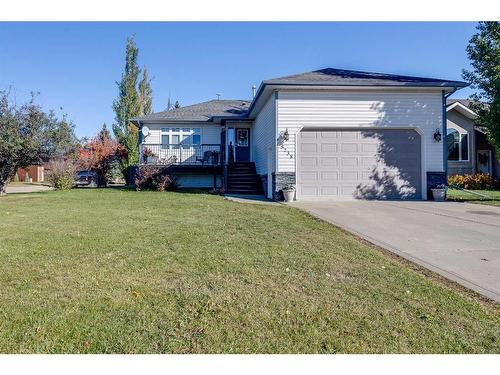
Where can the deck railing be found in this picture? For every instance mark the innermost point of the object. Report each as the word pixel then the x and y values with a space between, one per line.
pixel 178 154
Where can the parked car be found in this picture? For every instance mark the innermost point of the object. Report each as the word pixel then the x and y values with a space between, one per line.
pixel 86 178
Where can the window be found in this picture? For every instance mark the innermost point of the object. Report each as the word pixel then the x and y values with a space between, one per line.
pixel 186 141
pixel 453 145
pixel 458 145
pixel 175 140
pixel 242 137
pixel 464 145
pixel 196 137
pixel 165 141
pixel 180 137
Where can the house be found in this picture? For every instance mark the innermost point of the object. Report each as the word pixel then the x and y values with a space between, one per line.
pixel 334 134
pixel 469 151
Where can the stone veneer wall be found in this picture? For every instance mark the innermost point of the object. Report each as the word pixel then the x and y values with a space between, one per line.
pixel 280 180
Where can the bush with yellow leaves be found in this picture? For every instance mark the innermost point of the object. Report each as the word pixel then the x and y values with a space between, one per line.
pixel 478 181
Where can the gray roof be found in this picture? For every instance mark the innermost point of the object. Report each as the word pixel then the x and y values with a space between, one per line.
pixel 205 111
pixel 342 77
pixel 465 102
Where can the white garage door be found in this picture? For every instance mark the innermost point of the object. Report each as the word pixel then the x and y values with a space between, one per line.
pixel 360 164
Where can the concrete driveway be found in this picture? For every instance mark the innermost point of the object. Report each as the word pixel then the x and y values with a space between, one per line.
pixel 460 241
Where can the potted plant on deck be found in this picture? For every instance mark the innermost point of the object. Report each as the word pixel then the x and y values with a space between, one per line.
pixel 289 193
pixel 439 193
pixel 146 154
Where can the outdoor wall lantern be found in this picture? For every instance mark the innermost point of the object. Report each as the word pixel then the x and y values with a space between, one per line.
pixel 283 137
pixel 286 135
pixel 437 135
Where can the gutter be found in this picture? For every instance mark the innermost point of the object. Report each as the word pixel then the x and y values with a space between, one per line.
pixel 215 120
pixel 136 121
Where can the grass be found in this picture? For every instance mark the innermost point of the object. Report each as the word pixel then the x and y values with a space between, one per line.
pixel 493 196
pixel 115 271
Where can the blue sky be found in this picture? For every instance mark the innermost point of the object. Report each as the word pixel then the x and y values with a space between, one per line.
pixel 75 65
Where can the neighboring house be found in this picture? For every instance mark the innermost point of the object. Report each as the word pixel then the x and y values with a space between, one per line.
pixel 33 173
pixel 335 134
pixel 469 151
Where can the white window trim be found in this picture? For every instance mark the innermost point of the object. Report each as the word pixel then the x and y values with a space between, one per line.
pixel 460 134
pixel 182 134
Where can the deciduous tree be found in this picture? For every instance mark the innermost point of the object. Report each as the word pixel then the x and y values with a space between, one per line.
pixel 99 154
pixel 27 136
pixel 484 52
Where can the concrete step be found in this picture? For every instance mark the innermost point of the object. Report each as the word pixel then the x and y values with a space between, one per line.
pixel 246 191
pixel 244 186
pixel 243 178
pixel 240 171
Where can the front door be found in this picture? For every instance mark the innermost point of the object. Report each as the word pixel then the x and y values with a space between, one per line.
pixel 484 161
pixel 242 144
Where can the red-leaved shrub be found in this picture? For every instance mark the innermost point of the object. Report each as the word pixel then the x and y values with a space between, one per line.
pixel 150 177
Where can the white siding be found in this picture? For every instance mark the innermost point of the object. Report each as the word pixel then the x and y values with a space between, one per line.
pixel 198 181
pixel 352 109
pixel 210 134
pixel 264 138
pixel 153 137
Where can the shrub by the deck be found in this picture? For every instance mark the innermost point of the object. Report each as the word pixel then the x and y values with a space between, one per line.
pixel 159 178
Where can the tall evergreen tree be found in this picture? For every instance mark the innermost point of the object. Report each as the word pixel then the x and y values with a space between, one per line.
pixel 104 133
pixel 484 52
pixel 134 99
pixel 65 142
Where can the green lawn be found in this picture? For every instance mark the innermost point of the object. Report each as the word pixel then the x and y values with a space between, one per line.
pixel 120 271
pixel 492 196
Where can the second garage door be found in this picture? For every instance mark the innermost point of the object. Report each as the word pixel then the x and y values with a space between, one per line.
pixel 359 164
